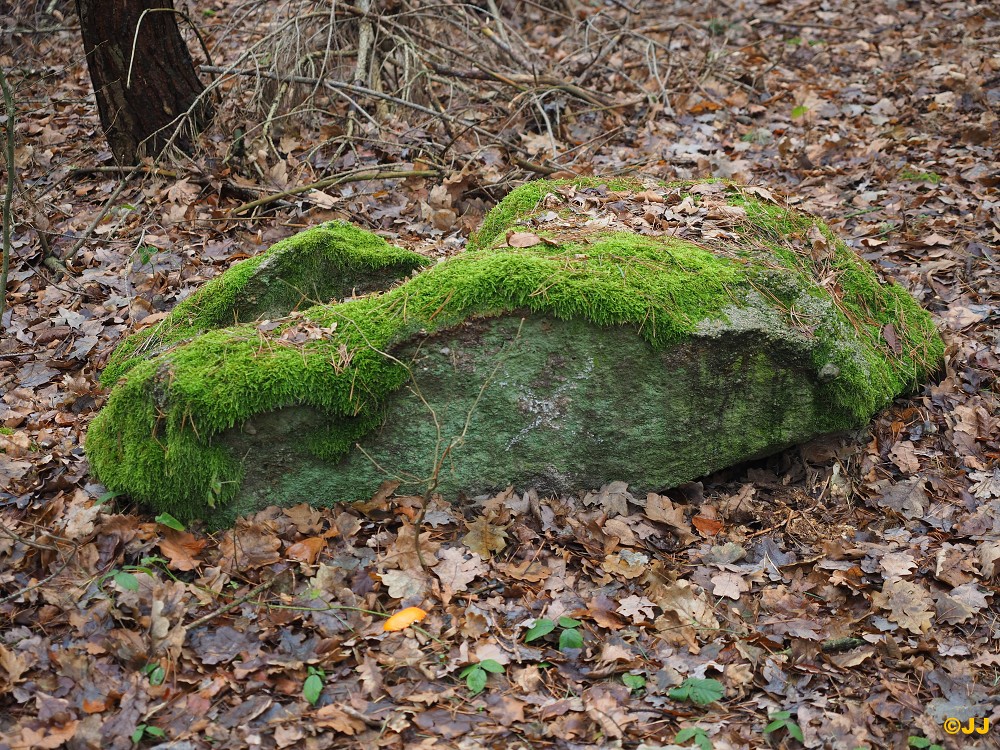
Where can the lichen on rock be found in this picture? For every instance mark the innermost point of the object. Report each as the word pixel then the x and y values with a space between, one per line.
pixel 592 331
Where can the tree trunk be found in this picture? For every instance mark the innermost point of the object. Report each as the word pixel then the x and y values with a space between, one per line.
pixel 139 113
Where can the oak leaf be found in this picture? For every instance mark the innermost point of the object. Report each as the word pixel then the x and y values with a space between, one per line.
pixel 485 538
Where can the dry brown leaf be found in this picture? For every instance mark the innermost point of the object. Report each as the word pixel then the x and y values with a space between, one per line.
pixel 402 553
pixel 962 603
pixel 660 508
pixel 686 612
pixel 531 571
pixel 249 545
pixel 626 563
pixel 371 677
pixel 612 498
pixel 181 549
pixel 405 584
pixel 13 666
pixel 523 239
pixel 614 652
pixel 905 457
pixel 729 584
pixel 307 550
pixel 46 738
pixel 638 609
pixel 908 497
pixel 332 717
pixel 307 519
pixel 456 572
pixel 909 604
pixel 484 538
pixel 605 704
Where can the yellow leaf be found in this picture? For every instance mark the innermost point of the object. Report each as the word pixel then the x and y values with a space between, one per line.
pixel 404 618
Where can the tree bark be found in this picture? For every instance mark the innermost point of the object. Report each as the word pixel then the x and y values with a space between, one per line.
pixel 138 114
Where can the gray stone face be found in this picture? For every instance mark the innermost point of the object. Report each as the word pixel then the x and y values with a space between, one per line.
pixel 554 404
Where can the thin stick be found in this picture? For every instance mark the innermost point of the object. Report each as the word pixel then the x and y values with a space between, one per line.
pixel 114 169
pixel 71 253
pixel 8 198
pixel 236 602
pixel 337 180
pixel 135 39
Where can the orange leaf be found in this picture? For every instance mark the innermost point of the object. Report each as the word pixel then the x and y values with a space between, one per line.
pixel 707 526
pixel 182 549
pixel 307 550
pixel 404 618
pixel 95 705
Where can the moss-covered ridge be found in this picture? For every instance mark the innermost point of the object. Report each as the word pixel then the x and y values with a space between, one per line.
pixel 322 264
pixel 154 438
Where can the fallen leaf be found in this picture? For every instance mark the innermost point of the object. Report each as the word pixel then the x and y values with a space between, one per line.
pixel 909 604
pixel 456 572
pixel 182 549
pixel 962 603
pixel 249 545
pixel 908 497
pixel 889 334
pixel 660 508
pixel 612 498
pixel 403 619
pixel 531 571
pixel 626 563
pixel 707 526
pixel 638 609
pixel 485 538
pixel 405 584
pixel 605 704
pixel 905 457
pixel 307 550
pixel 729 584
pixel 403 554
pixel 332 717
pixel 523 239
pixel 13 667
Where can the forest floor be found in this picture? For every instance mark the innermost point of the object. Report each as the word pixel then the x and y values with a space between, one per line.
pixel 843 594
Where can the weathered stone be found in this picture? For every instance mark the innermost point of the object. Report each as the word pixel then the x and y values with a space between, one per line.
pixel 649 333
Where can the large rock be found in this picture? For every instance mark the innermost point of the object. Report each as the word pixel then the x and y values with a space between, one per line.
pixel 591 332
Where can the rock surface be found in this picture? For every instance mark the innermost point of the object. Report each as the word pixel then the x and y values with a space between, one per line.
pixel 592 332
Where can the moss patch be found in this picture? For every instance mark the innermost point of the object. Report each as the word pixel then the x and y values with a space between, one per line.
pixel 158 436
pixel 320 265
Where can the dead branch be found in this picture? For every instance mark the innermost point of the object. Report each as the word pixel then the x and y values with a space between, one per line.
pixel 8 198
pixel 355 176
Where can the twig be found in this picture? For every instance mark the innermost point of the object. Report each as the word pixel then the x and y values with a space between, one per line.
pixel 365 91
pixel 45 30
pixel 356 176
pixel 805 25
pixel 236 602
pixel 533 167
pixel 71 253
pixel 522 81
pixel 8 198
pixel 114 169
pixel 135 38
pixel 36 545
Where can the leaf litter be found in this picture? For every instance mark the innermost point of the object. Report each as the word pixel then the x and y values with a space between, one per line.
pixel 853 571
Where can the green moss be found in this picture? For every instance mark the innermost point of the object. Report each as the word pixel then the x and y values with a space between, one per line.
pixel 155 438
pixel 322 264
pixel 523 200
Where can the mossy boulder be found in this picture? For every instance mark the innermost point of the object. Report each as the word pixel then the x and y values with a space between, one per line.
pixel 592 331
